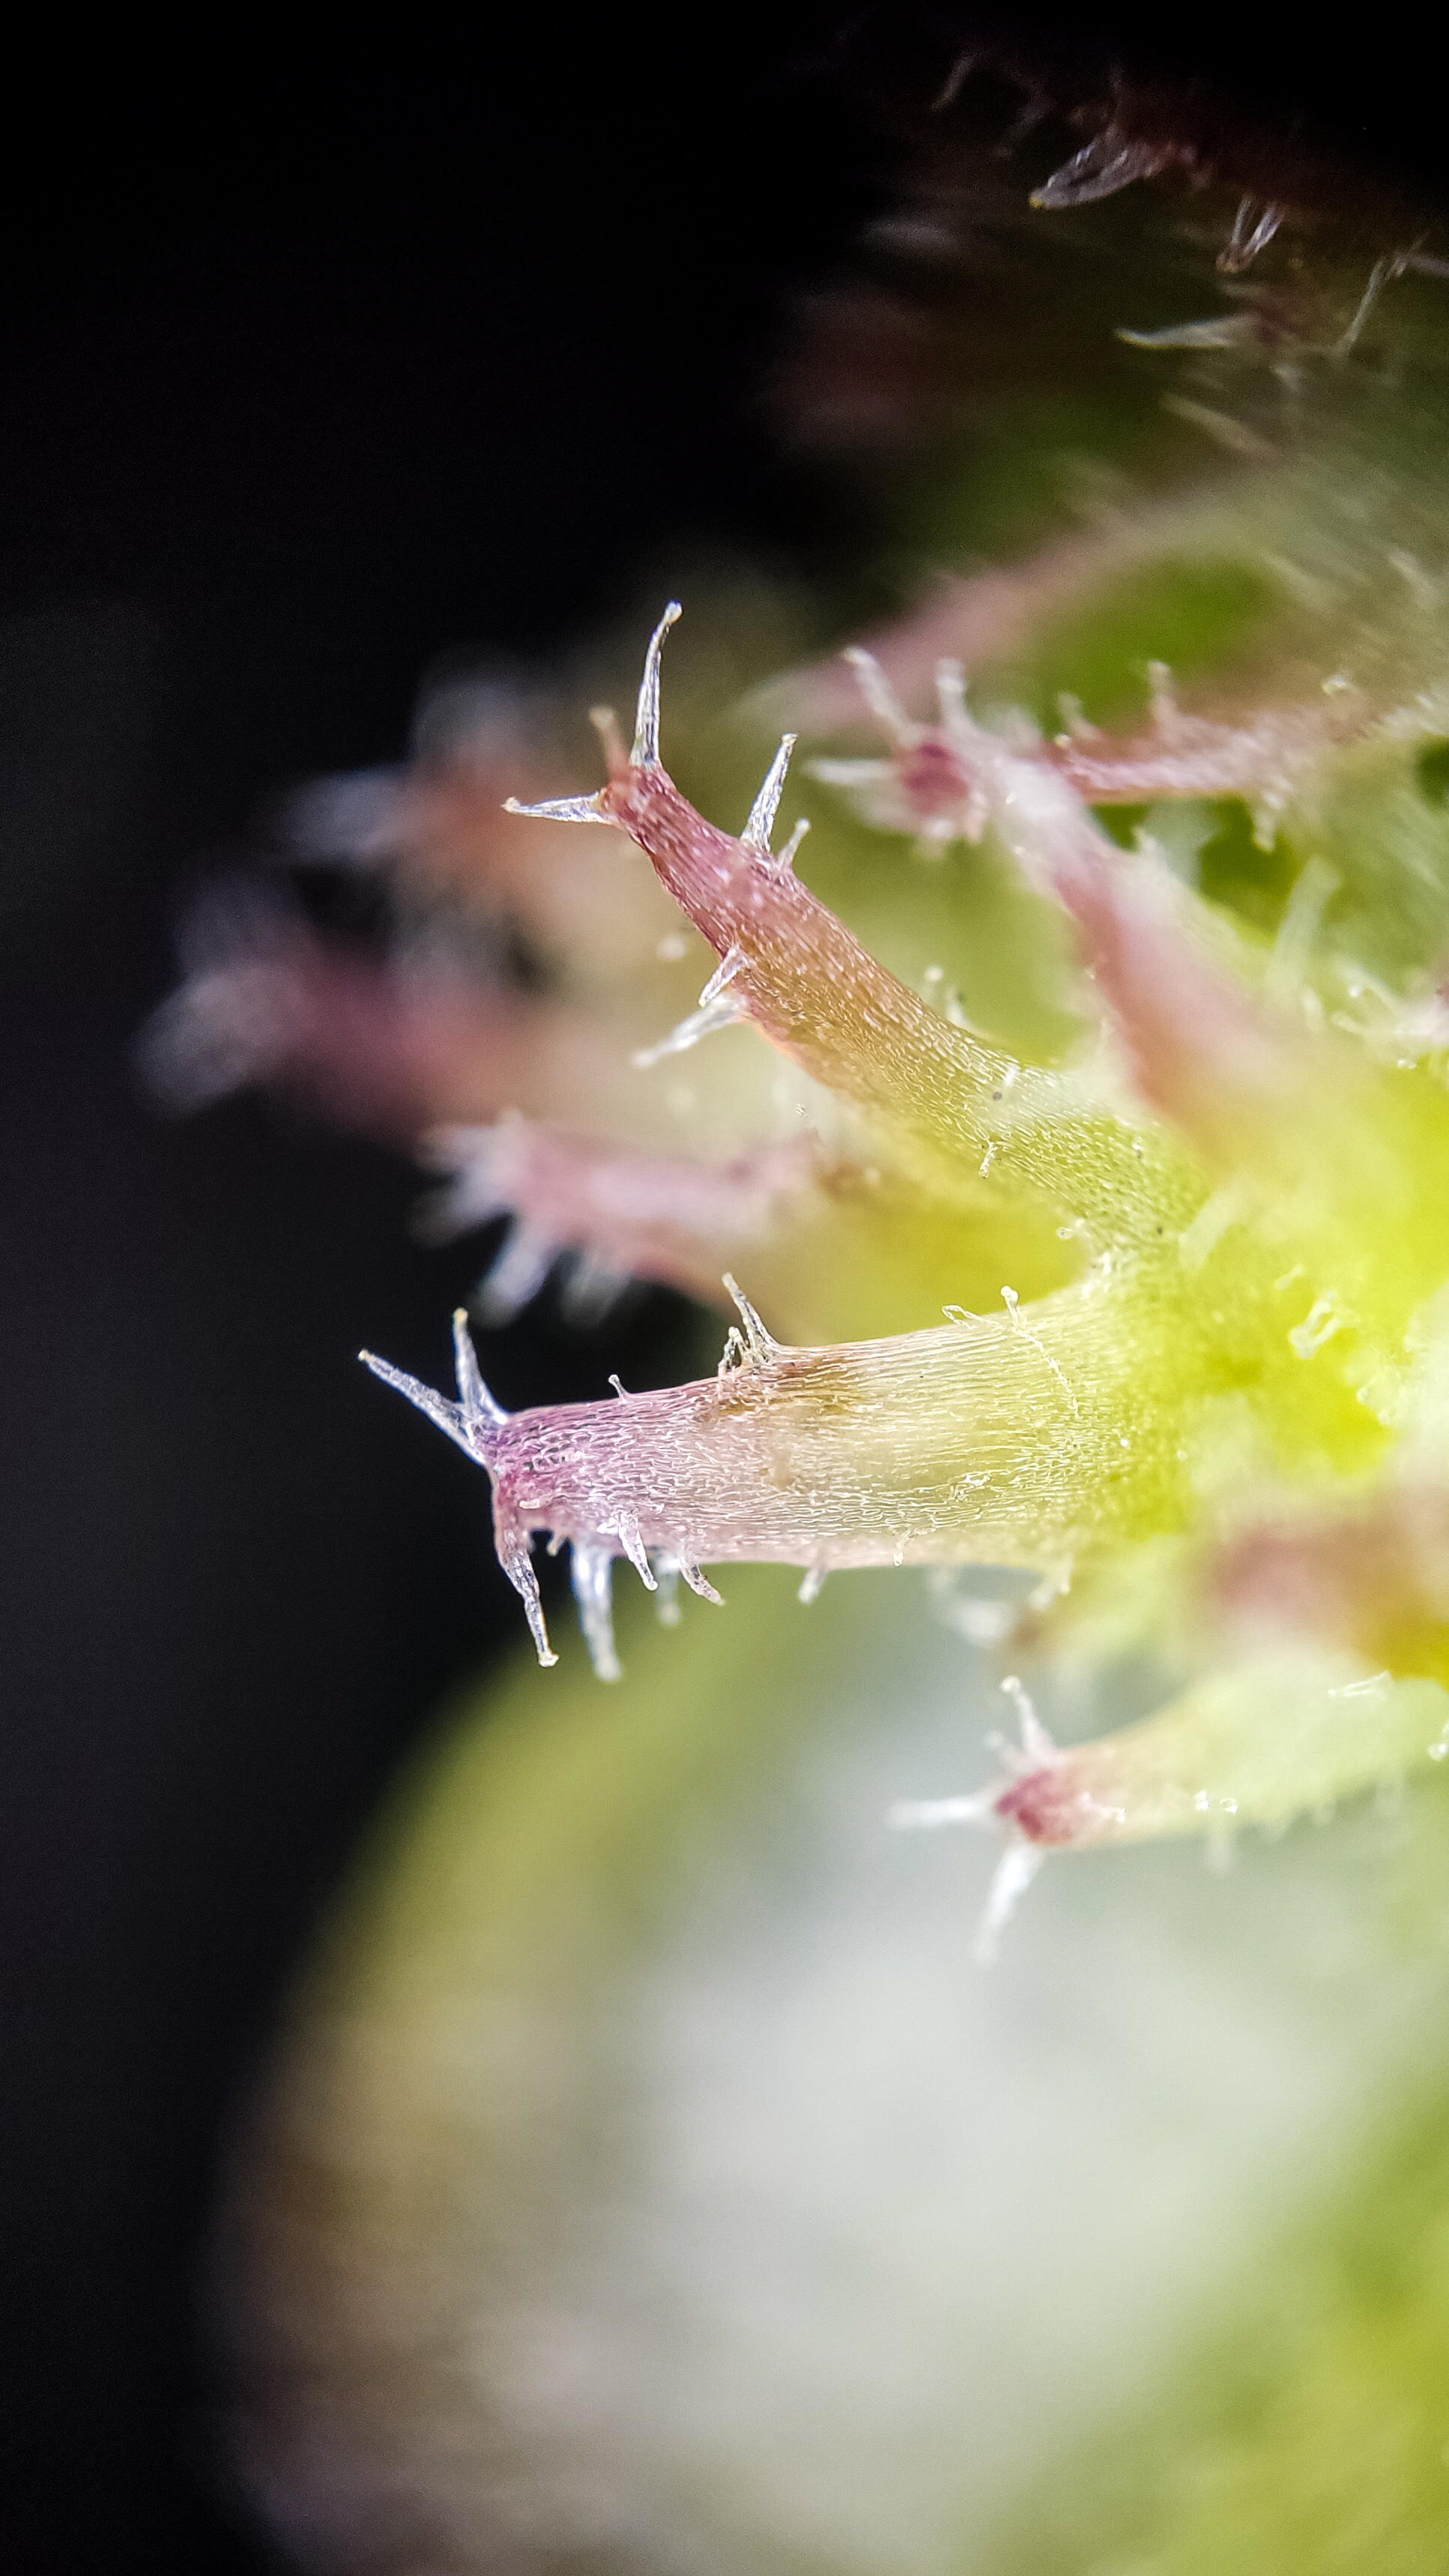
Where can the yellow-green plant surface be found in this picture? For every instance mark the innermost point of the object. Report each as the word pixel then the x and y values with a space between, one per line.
pixel 654 2178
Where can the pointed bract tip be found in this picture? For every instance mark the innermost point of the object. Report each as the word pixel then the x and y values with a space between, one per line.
pixel 646 730
pixel 453 1419
pixel 1014 1873
pixel 717 1010
pixel 951 691
pixel 880 697
pixel 759 1340
pixel 756 834
pixel 515 1557
pixel 606 725
pixel 593 1584
pixel 918 1815
pixel 561 809
pixel 700 1583
pixel 625 1528
pixel 478 1403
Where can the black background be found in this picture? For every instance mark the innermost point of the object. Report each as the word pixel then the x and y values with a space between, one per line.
pixel 321 356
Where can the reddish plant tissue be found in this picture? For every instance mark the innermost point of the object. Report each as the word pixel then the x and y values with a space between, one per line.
pixel 1217 1400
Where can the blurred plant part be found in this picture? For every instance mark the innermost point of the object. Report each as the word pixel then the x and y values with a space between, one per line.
pixel 1071 1138
pixel 649 2174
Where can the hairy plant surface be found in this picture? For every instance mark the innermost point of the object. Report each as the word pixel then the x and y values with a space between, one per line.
pixel 1070 1130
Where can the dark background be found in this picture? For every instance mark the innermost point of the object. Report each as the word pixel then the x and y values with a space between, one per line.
pixel 318 360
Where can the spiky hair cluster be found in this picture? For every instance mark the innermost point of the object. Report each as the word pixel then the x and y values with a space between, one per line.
pixel 1192 1361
